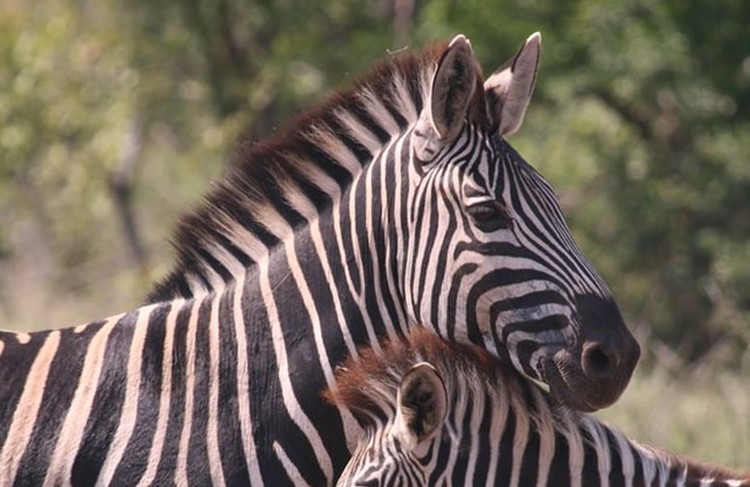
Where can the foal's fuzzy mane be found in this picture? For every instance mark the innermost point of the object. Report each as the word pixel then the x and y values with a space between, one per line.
pixel 373 375
pixel 264 178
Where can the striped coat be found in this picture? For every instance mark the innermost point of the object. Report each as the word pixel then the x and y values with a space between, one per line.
pixel 396 201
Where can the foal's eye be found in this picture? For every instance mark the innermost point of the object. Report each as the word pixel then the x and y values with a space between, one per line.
pixel 490 215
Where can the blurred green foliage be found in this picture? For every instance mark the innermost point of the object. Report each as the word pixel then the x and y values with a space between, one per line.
pixel 641 121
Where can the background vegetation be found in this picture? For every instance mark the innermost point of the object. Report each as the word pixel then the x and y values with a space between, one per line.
pixel 115 116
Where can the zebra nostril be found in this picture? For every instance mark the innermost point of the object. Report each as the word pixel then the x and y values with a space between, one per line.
pixel 598 361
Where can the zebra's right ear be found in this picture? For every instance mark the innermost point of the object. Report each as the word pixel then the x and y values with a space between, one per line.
pixel 509 89
pixel 451 90
pixel 422 404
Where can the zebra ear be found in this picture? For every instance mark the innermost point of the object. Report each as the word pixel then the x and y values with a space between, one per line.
pixel 421 403
pixel 451 90
pixel 509 89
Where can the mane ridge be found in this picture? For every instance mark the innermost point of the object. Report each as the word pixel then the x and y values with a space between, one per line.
pixel 289 175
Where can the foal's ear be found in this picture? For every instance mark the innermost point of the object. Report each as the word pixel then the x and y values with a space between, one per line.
pixel 451 90
pixel 509 89
pixel 422 404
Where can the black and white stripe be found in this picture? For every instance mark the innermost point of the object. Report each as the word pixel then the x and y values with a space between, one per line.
pixel 436 413
pixel 397 201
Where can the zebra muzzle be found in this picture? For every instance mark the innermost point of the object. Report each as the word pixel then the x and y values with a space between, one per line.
pixel 594 374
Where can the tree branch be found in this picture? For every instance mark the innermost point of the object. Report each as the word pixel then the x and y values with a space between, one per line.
pixel 121 186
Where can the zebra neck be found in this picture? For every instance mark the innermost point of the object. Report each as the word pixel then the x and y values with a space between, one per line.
pixel 279 186
pixel 678 471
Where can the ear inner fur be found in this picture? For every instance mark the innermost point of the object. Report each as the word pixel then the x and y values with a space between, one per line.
pixel 452 88
pixel 509 89
pixel 422 403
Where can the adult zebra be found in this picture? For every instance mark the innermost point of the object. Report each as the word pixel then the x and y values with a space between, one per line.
pixel 437 414
pixel 397 200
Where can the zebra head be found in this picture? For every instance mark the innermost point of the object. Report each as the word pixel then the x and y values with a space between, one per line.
pixel 505 268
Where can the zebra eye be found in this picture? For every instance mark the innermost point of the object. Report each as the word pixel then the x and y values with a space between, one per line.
pixel 490 215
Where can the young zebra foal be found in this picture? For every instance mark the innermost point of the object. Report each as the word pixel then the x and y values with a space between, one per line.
pixel 438 413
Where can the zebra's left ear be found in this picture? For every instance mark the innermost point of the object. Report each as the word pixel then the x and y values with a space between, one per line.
pixel 451 90
pixel 422 404
pixel 509 89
